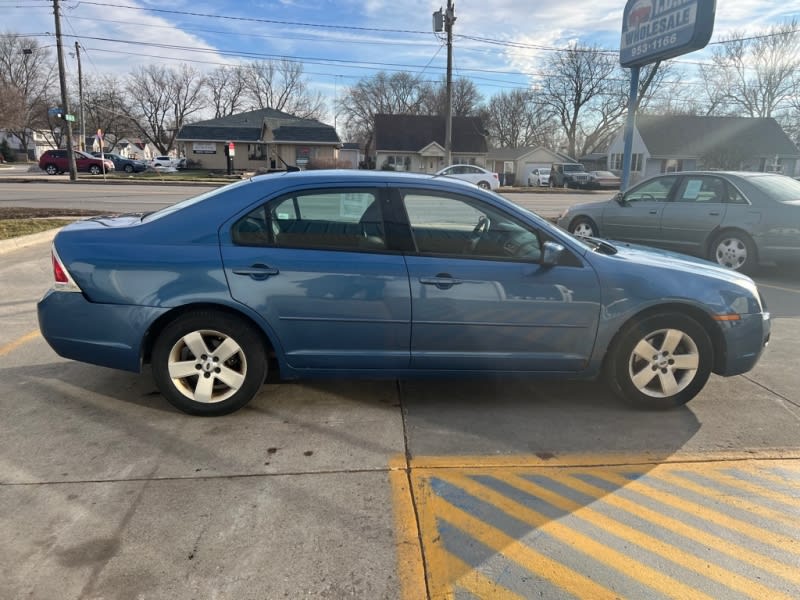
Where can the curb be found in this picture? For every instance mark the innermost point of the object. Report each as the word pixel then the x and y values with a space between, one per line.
pixel 24 241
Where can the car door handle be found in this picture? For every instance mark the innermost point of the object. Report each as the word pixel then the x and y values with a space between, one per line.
pixel 654 212
pixel 258 272
pixel 441 281
pixel 714 213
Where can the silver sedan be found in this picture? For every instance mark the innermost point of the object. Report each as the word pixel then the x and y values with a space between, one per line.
pixel 736 219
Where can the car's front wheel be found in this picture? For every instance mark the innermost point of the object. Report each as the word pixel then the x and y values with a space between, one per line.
pixel 583 227
pixel 734 250
pixel 209 363
pixel 660 361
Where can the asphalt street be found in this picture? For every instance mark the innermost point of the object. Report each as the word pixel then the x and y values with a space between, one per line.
pixel 388 489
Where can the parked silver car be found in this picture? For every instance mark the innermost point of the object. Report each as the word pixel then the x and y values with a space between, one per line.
pixel 736 219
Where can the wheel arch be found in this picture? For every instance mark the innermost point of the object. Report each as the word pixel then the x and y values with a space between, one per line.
pixel 720 229
pixel 703 319
pixel 155 329
pixel 579 217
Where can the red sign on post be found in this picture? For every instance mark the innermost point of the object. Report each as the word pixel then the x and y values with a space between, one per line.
pixel 231 149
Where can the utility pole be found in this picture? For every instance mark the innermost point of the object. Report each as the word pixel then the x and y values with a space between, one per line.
pixel 449 19
pixel 82 144
pixel 73 172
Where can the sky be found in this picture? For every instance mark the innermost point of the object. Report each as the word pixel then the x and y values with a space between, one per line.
pixel 340 42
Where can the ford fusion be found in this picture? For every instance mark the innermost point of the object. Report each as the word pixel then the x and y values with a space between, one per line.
pixel 377 274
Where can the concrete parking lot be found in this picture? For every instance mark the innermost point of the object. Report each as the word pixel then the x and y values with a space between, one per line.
pixel 392 489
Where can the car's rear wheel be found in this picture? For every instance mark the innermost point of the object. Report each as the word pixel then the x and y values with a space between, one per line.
pixel 51 169
pixel 734 250
pixel 583 227
pixel 660 361
pixel 209 363
pixel 94 170
pixel 484 185
pixel 129 168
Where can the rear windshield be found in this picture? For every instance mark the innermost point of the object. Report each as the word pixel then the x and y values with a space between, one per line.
pixel 778 187
pixel 189 201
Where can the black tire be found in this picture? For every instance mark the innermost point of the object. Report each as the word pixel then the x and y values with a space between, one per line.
pixel 51 169
pixel 245 369
pixel 94 170
pixel 484 185
pixel 583 227
pixel 653 381
pixel 733 250
pixel 129 168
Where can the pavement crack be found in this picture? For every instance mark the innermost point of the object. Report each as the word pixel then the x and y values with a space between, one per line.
pixel 771 391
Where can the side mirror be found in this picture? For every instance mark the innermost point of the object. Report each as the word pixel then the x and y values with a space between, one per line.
pixel 620 198
pixel 551 253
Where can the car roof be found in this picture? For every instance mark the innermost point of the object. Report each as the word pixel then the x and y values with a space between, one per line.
pixel 344 175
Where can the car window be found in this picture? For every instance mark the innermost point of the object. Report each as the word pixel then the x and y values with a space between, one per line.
pixel 443 224
pixel 331 219
pixel 734 195
pixel 777 187
pixel 701 189
pixel 656 190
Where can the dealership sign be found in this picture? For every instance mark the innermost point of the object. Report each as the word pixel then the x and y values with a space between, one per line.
pixel 659 29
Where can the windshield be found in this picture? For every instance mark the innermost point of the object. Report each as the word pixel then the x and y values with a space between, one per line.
pixel 778 187
pixel 573 167
pixel 604 174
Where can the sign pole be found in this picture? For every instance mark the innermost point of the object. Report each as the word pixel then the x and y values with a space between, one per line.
pixel 630 123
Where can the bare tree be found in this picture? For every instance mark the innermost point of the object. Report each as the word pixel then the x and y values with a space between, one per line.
pixel 161 100
pixel 467 99
pixel 27 74
pixel 516 119
pixel 105 107
pixel 391 94
pixel 755 76
pixel 227 88
pixel 280 85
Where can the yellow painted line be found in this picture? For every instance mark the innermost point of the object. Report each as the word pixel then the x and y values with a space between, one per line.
pixel 410 569
pixel 672 553
pixel 741 502
pixel 531 560
pixel 594 460
pixel 778 287
pixel 698 510
pixel 750 488
pixel 789 573
pixel 476 583
pixel 11 346
pixel 647 576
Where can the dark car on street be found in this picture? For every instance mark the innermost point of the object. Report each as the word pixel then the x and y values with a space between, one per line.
pixel 602 180
pixel 568 175
pixel 122 163
pixel 735 219
pixel 54 162
pixel 385 275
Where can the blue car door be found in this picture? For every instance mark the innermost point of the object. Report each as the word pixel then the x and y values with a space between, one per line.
pixel 315 264
pixel 480 298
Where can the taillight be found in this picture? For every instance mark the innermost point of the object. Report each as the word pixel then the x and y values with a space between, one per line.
pixel 63 281
pixel 58 270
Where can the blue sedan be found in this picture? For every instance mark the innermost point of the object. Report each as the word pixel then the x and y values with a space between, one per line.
pixel 379 274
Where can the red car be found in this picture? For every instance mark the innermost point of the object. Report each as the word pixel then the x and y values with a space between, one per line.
pixel 55 161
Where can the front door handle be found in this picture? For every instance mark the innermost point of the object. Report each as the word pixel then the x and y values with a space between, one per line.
pixel 443 281
pixel 654 212
pixel 258 271
pixel 714 213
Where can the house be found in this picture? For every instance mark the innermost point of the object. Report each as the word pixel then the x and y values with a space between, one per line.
pixel 416 142
pixel 350 154
pixel 264 138
pixel 136 149
pixel 515 164
pixel 39 140
pixel 662 144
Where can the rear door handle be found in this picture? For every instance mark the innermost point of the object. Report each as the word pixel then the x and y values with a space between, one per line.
pixel 258 272
pixel 654 212
pixel 714 213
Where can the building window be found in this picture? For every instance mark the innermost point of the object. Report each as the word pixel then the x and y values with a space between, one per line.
pixel 616 162
pixel 399 162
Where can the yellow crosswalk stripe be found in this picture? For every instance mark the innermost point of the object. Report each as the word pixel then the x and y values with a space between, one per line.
pixel 675 554
pixel 781 542
pixel 669 586
pixel 530 559
pixel 476 583
pixel 789 573
pixel 748 487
